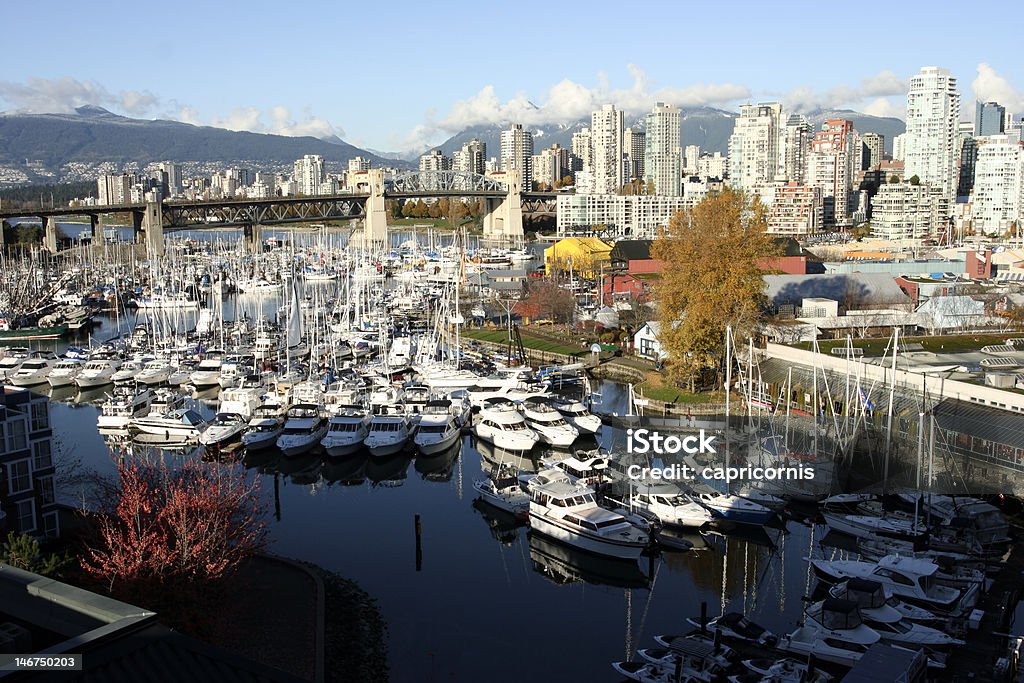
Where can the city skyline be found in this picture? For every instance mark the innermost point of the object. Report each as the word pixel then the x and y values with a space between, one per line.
pixel 383 90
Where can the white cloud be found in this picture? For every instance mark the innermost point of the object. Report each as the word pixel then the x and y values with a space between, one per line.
pixel 875 88
pixel 989 86
pixel 885 106
pixel 63 95
pixel 277 120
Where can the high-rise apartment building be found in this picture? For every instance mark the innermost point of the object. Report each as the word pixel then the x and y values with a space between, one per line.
pixel 551 165
pixel 358 164
pixel 998 184
pixel 309 174
pixel 634 143
pixel 582 150
pixel 606 150
pixel 795 210
pixel 691 155
pixel 472 158
pixel 517 153
pixel 796 145
pixel 874 150
pixel 663 156
pixel 114 188
pixel 830 168
pixel 435 160
pixel 906 211
pixel 898 143
pixel 989 119
pixel 968 157
pixel 932 146
pixel 754 146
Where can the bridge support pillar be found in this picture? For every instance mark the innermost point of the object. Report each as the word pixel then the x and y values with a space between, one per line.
pixel 375 223
pixel 253 233
pixel 137 225
pixel 96 228
pixel 153 226
pixel 50 234
pixel 503 218
pixel 3 228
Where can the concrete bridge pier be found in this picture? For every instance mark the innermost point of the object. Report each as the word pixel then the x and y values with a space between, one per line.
pixel 253 233
pixel 375 222
pixel 50 234
pixel 503 218
pixel 96 228
pixel 153 226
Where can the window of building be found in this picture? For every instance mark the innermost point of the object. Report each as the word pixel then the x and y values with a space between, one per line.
pixel 16 437
pixel 42 455
pixel 47 493
pixel 51 524
pixel 25 515
pixel 19 477
pixel 40 416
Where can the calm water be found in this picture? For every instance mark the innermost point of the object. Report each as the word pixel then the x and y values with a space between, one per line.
pixel 489 601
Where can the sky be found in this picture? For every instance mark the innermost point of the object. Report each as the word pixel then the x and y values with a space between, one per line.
pixel 402 76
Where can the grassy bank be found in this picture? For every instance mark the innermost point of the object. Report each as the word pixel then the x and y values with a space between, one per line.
pixel 500 336
pixel 937 344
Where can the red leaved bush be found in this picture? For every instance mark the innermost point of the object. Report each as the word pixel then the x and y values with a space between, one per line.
pixel 196 523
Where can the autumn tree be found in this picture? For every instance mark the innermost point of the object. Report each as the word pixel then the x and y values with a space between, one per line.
pixel 711 280
pixel 174 529
pixel 543 298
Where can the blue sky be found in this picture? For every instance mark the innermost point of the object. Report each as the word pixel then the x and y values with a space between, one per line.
pixel 402 75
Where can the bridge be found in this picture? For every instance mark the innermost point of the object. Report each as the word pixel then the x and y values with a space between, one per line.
pixel 504 206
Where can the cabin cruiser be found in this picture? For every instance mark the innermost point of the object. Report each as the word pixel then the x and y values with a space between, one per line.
pixel 549 424
pixel 730 507
pixel 248 394
pixel 808 640
pixel 437 428
pixel 909 578
pixel 207 373
pixel 736 626
pixel 585 468
pixel 347 430
pixel 389 432
pixel 576 414
pixel 503 491
pixel 878 604
pixel 501 424
pixel 264 427
pixel 124 405
pixel 97 372
pixel 64 372
pixel 11 361
pixel 35 370
pixel 666 503
pixel 874 526
pixel 128 371
pixel 156 372
pixel 225 428
pixel 181 424
pixel 891 624
pixel 983 522
pixel 570 513
pixel 234 369
pixel 304 427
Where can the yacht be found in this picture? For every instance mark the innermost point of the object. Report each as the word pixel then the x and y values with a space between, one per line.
pixel 96 373
pixel 570 513
pixel 878 604
pixel 34 370
pixel 549 424
pixel 304 427
pixel 666 503
pixel 909 578
pixel 264 427
pixel 12 360
pixel 128 371
pixel 122 406
pixel 180 424
pixel 347 430
pixel 808 640
pixel 730 507
pixel 437 429
pixel 225 429
pixel 736 626
pixel 64 372
pixel 388 434
pixel 155 372
pixel 501 424
pixel 502 490
pixel 576 414
pixel 841 620
pixel 234 370
pixel 207 373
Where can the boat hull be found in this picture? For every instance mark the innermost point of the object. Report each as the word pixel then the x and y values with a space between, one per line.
pixel 623 550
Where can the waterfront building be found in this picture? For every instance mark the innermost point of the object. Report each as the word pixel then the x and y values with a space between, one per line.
pixel 606 150
pixel 663 154
pixel 998 184
pixel 634 216
pixel 907 211
pixel 114 188
pixel 28 495
pixel 932 145
pixel 517 153
pixel 754 146
pixel 551 165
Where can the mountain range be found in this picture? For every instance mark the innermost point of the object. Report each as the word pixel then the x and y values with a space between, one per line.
pixel 92 140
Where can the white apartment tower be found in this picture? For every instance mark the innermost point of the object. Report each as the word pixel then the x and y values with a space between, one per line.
pixel 663 156
pixel 796 145
pixel 309 174
pixel 517 153
pixel 931 149
pixel 634 143
pixel 998 184
pixel 582 150
pixel 472 158
pixel 435 161
pixel 754 146
pixel 358 165
pixel 830 168
pixel 606 149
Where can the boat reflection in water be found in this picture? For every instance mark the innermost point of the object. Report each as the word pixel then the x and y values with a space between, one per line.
pixel 504 526
pixel 439 466
pixel 563 564
pixel 350 471
pixel 492 458
pixel 389 471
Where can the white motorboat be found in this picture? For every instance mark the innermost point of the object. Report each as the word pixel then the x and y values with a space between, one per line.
pixel 438 427
pixel 12 360
pixel 665 502
pixel 736 626
pixel 576 414
pixel 207 373
pixel 589 469
pixel 128 371
pixel 731 507
pixel 244 398
pixel 98 372
pixel 570 514
pixel 878 604
pixel 808 640
pixel 502 490
pixel 304 427
pixel 549 424
pixel 264 427
pixel 234 369
pixel 501 424
pixel 910 578
pixel 64 372
pixel 872 526
pixel 226 428
pixel 181 424
pixel 156 372
pixel 388 434
pixel 34 370
pixel 347 430
pixel 840 619
pixel 124 405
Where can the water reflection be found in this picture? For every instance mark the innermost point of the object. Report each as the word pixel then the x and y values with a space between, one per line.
pixel 562 564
